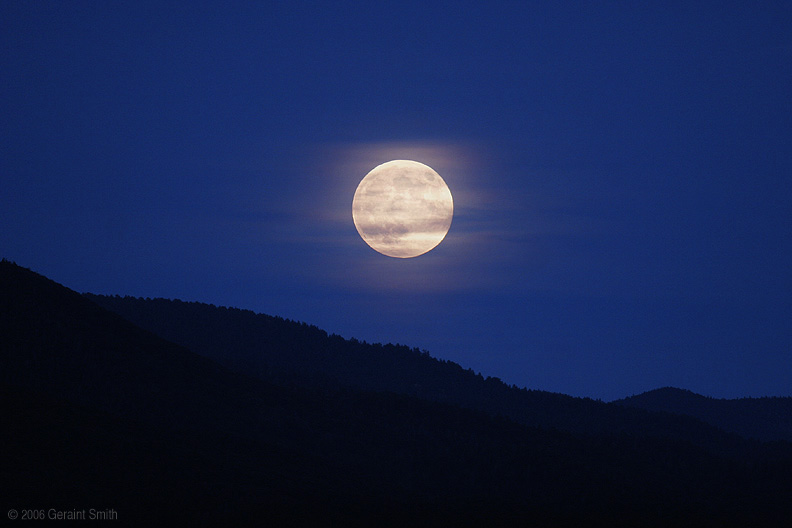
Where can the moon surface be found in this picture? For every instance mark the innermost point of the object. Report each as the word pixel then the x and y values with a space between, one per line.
pixel 402 209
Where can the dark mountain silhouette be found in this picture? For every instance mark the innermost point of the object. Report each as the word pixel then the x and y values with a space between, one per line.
pixel 765 419
pixel 283 351
pixel 99 413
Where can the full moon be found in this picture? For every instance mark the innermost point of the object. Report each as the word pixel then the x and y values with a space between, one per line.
pixel 402 209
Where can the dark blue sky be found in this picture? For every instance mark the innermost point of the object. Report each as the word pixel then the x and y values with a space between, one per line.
pixel 622 174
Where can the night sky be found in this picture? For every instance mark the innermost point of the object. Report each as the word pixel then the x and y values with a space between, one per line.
pixel 621 174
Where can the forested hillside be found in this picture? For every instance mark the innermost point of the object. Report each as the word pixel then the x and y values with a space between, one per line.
pixel 98 412
pixel 299 354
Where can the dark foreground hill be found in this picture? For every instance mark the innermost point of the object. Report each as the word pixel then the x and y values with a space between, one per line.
pixel 98 413
pixel 765 419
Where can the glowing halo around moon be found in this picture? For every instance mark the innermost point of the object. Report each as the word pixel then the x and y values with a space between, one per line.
pixel 402 209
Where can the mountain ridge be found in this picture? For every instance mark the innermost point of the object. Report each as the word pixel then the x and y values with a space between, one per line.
pixel 97 409
pixel 291 352
pixel 767 418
